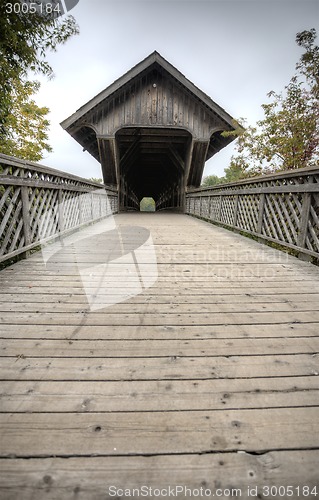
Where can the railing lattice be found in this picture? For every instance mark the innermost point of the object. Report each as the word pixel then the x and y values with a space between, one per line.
pixel 282 208
pixel 38 203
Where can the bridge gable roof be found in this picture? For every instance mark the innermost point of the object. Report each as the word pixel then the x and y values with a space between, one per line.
pixel 154 60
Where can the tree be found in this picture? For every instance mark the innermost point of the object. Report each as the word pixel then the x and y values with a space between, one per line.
pixel 211 180
pixel 147 205
pixel 287 137
pixel 308 64
pixel 289 133
pixel 237 170
pixel 25 39
pixel 95 179
pixel 27 125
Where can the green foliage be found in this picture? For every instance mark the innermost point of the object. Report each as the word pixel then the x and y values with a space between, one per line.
pixel 211 180
pixel 237 170
pixel 26 126
pixel 147 205
pixel 309 60
pixel 288 135
pixel 95 179
pixel 233 173
pixel 25 39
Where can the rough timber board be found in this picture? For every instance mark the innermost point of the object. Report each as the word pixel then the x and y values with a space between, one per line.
pixel 14 300
pixel 151 433
pixel 168 308
pixel 169 368
pixel 158 348
pixel 91 478
pixel 230 391
pixel 111 332
pixel 181 395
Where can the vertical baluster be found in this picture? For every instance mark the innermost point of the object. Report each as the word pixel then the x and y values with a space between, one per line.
pixel 61 211
pixel 261 211
pixel 26 218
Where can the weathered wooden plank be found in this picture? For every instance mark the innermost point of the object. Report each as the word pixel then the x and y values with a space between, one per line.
pixel 291 188
pixel 104 318
pixel 158 348
pixel 55 434
pixel 107 306
pixel 94 478
pixel 161 368
pixel 42 169
pixel 181 276
pixel 216 291
pixel 221 394
pixel 174 253
pixel 204 257
pixel 197 288
pixel 198 297
pixel 176 332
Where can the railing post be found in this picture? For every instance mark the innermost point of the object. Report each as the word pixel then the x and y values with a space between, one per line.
pixel 220 208
pixel 236 209
pixel 92 206
pixel 80 208
pixel 261 209
pixel 26 217
pixel 61 211
pixel 303 224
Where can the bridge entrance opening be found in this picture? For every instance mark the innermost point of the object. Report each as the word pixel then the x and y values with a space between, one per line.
pixel 147 204
pixel 152 163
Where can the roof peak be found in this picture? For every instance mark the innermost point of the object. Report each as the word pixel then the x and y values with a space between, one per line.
pixel 135 71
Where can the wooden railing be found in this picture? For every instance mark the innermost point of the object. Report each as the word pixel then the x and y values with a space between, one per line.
pixel 38 203
pixel 281 208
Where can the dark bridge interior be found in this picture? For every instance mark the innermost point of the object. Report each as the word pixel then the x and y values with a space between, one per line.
pixel 152 164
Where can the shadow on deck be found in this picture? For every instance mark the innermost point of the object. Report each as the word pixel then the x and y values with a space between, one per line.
pixel 192 363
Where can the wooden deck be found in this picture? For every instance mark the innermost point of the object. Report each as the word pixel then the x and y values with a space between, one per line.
pixel 209 380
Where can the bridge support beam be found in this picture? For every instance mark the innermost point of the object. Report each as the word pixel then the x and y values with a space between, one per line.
pixel 109 159
pixel 197 159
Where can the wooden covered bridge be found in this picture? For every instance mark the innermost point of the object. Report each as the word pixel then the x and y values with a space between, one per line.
pixel 152 130
pixel 156 354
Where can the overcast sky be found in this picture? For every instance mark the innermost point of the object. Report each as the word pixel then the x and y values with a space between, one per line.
pixel 236 51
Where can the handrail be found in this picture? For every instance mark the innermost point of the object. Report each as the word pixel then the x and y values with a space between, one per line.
pixel 282 208
pixel 38 203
